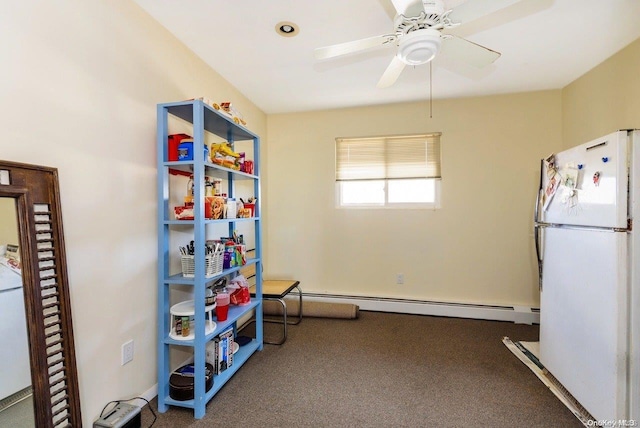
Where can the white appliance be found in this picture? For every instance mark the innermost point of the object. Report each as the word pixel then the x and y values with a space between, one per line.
pixel 589 262
pixel 15 372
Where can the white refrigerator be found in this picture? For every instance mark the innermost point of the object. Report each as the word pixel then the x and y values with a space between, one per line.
pixel 15 366
pixel 589 265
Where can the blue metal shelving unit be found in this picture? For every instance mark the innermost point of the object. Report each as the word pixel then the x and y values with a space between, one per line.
pixel 204 119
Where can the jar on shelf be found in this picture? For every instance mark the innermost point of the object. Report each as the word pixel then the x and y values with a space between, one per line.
pixel 208 186
pixel 190 186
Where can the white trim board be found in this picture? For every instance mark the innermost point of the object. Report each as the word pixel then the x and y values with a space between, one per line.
pixel 150 393
pixel 515 314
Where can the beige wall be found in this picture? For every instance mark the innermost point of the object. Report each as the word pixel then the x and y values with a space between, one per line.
pixel 605 99
pixel 8 222
pixel 79 83
pixel 477 248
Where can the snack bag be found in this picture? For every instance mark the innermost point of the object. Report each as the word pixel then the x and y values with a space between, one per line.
pixel 240 294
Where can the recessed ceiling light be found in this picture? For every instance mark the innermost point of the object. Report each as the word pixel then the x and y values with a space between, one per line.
pixel 287 29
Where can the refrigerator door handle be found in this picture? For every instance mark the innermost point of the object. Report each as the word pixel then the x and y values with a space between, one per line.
pixel 536 210
pixel 536 237
pixel 536 225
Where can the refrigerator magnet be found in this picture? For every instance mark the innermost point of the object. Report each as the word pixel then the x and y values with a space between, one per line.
pixel 596 178
pixel 570 198
pixel 570 177
pixel 550 190
pixel 552 169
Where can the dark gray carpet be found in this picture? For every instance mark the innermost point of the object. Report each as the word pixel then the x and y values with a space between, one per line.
pixel 384 370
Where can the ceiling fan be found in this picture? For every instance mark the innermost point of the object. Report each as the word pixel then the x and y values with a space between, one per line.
pixel 420 34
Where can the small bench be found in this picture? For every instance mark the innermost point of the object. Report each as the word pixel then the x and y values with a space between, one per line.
pixel 275 290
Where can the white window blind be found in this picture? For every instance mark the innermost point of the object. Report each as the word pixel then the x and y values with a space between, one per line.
pixel 394 157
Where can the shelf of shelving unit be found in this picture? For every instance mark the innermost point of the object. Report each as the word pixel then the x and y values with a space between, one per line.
pixel 203 119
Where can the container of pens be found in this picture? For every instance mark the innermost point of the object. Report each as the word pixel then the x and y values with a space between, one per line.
pixel 213 258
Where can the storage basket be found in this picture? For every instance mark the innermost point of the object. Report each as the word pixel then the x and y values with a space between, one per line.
pixel 212 265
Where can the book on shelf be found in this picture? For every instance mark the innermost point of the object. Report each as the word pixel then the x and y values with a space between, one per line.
pixel 223 351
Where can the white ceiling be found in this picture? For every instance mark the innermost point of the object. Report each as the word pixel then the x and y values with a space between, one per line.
pixel 545 44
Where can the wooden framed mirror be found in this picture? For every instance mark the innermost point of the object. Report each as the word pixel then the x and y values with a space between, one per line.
pixel 54 384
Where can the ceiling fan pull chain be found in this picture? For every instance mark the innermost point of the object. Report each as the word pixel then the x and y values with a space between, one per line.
pixel 430 90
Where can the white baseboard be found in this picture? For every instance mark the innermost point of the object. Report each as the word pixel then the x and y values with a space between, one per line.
pixel 150 393
pixel 515 314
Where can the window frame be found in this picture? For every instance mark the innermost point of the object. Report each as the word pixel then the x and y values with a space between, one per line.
pixel 436 204
pixel 344 167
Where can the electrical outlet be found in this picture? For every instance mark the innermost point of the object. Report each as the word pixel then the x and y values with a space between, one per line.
pixel 400 278
pixel 127 352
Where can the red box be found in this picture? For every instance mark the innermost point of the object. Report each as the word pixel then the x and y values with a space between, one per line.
pixel 174 142
pixel 248 167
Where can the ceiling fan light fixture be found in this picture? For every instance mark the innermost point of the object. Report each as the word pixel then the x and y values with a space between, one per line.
pixel 419 46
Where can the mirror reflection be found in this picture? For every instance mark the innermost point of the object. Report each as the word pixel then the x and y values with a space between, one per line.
pixel 16 403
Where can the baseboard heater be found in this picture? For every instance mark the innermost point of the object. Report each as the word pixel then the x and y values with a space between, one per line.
pixel 516 314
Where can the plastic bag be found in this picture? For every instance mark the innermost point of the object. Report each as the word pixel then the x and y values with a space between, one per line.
pixel 239 289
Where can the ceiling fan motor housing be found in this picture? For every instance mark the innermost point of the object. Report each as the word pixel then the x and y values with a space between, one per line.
pixel 419 46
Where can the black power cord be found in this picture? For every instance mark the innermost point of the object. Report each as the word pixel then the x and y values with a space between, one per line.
pixel 116 402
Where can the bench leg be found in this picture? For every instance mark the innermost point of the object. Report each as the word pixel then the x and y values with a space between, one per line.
pixel 284 308
pixel 283 322
pixel 299 307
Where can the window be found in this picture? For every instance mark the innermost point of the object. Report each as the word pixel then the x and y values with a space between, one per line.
pixel 396 171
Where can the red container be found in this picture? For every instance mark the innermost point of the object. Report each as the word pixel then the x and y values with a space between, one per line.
pixel 248 167
pixel 174 142
pixel 222 306
pixel 251 207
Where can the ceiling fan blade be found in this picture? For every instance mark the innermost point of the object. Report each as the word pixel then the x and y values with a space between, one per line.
pixel 392 73
pixel 389 8
pixel 402 6
pixel 354 46
pixel 471 53
pixel 474 9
